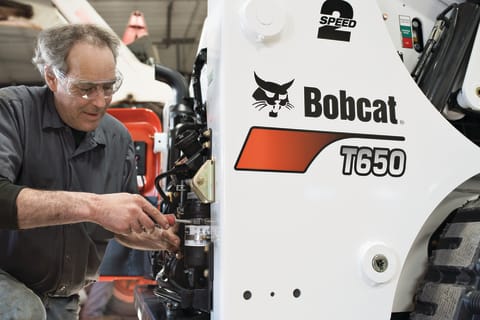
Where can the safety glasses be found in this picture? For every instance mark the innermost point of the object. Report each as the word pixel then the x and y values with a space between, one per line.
pixel 89 90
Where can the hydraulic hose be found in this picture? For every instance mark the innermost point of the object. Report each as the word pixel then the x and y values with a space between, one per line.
pixel 445 67
pixel 175 80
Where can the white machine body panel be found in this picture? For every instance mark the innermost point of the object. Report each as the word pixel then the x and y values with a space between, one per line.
pixel 310 194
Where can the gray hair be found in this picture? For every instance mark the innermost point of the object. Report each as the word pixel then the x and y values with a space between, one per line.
pixel 54 44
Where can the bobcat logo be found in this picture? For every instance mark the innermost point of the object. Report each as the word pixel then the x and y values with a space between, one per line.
pixel 271 95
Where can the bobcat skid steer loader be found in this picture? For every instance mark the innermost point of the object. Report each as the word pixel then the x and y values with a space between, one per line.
pixel 327 165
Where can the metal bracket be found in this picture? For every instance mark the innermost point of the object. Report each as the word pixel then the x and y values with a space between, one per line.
pixel 203 183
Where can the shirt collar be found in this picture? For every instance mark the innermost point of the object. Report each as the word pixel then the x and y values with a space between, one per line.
pixel 97 135
pixel 51 118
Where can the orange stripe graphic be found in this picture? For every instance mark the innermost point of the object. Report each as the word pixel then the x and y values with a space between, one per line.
pixel 288 150
pixel 282 150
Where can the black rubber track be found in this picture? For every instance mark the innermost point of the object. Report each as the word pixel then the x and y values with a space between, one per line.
pixel 450 289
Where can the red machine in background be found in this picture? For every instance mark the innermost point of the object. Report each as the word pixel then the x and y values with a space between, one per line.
pixel 144 126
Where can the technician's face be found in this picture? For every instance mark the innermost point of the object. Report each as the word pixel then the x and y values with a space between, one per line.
pixel 83 95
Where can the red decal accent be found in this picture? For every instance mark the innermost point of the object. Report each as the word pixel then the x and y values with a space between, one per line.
pixel 407 42
pixel 269 149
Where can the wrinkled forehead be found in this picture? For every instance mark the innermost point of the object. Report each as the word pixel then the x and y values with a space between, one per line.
pixel 72 80
pixel 88 62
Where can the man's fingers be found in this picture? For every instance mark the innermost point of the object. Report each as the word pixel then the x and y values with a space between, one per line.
pixel 137 227
pixel 158 218
pixel 147 223
pixel 171 240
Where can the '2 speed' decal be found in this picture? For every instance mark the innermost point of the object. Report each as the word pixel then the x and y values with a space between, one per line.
pixel 291 150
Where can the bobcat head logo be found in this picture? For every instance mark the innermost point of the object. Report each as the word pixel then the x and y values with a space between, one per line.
pixel 272 96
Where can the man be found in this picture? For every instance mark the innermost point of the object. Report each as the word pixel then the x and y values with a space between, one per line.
pixel 67 178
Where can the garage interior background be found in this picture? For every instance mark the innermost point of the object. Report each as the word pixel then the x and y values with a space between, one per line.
pixel 174 28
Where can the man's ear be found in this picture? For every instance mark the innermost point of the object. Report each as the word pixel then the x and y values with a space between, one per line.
pixel 50 79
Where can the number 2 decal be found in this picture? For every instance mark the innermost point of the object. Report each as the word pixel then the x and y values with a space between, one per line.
pixel 330 24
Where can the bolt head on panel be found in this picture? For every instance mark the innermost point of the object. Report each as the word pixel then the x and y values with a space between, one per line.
pixel 262 19
pixel 379 263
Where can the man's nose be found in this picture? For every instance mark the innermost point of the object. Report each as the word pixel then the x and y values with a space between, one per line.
pixel 100 99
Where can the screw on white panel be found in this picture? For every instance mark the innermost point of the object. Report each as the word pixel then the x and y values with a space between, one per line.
pixel 380 263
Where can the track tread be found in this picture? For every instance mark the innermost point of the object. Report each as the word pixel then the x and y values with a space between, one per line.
pixel 453 269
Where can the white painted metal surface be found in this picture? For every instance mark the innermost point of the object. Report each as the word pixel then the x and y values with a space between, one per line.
pixel 296 245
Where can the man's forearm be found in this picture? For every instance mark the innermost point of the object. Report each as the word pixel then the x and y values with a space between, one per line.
pixel 120 213
pixel 38 208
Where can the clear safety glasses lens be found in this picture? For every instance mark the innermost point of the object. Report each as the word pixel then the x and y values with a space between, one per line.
pixel 90 90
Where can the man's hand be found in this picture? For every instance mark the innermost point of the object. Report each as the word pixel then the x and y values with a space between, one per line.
pixel 125 213
pixel 130 216
pixel 136 223
pixel 159 239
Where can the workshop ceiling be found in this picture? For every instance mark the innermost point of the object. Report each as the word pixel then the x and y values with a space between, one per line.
pixel 174 28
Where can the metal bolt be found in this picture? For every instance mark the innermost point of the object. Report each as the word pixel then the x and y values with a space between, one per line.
pixel 200 181
pixel 478 91
pixel 385 16
pixel 207 133
pixel 380 263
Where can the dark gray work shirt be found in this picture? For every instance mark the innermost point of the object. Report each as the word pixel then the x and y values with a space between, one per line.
pixel 38 150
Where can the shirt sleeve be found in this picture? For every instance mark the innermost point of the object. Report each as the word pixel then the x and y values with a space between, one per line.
pixel 11 146
pixel 11 154
pixel 8 202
